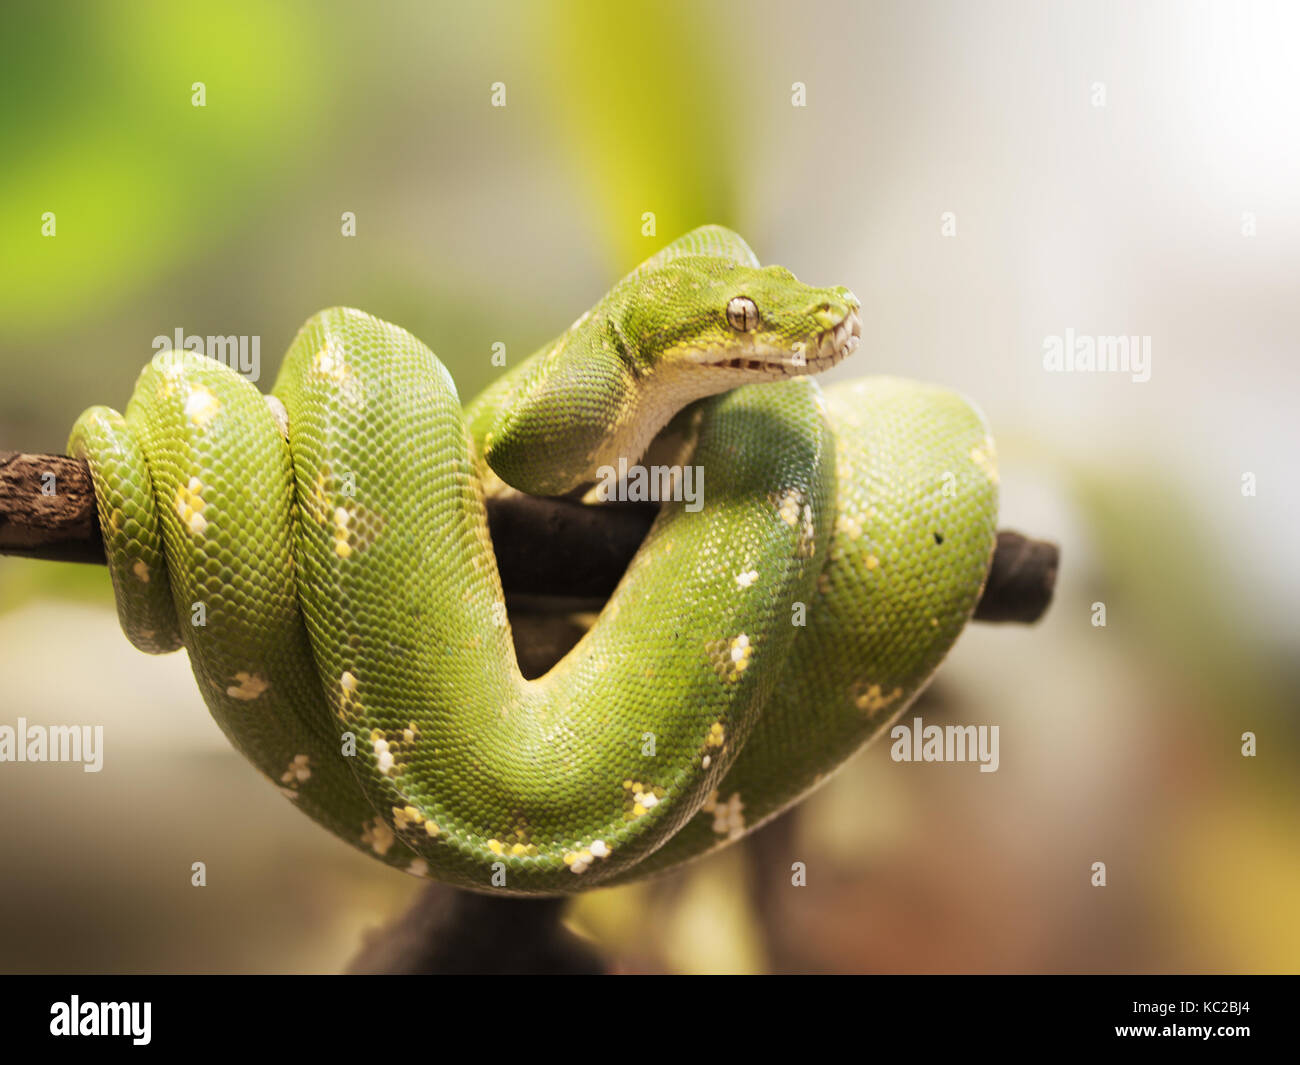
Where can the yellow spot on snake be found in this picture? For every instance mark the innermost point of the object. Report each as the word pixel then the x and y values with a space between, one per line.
pixel 716 736
pixel 642 798
pixel 740 652
pixel 190 504
pixel 342 535
pixel 494 845
pixel 349 703
pixel 873 700
pixel 871 562
pixel 141 571
pixel 247 686
pixel 406 816
pixel 201 405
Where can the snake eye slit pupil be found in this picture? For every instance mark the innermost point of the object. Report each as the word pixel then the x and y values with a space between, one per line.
pixel 742 314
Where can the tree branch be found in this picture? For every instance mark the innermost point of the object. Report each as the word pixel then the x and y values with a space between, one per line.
pixel 553 553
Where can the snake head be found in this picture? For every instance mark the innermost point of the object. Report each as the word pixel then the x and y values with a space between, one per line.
pixel 672 332
pixel 725 324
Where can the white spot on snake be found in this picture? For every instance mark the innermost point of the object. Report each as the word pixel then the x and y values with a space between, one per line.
pixel 708 761
pixel 746 579
pixel 740 652
pixel 201 405
pixel 348 682
pixel 289 793
pixel 189 506
pixel 418 867
pixel 247 686
pixel 299 771
pixel 579 861
pixel 788 507
pixel 383 756
pixel 141 571
pixel 378 836
pixel 330 363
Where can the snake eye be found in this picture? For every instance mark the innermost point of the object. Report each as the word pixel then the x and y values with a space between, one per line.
pixel 742 314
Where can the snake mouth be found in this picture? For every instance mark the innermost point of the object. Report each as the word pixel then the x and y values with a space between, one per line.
pixel 837 343
pixel 823 351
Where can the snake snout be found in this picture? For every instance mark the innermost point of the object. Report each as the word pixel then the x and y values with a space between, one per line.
pixel 841 336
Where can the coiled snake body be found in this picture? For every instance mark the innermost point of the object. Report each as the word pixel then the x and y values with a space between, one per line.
pixel 323 555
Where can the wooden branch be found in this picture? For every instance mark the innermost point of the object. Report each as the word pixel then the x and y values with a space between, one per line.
pixel 553 553
pixel 47 508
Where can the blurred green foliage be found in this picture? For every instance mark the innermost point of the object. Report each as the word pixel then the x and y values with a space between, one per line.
pixel 100 130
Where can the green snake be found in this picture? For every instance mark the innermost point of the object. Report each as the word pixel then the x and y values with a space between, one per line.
pixel 323 555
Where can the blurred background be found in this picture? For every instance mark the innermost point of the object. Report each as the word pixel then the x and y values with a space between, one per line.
pixel 984 176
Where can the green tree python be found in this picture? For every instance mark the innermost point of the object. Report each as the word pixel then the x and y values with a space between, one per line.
pixel 323 555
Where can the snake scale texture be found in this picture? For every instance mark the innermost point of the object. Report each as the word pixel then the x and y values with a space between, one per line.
pixel 323 555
